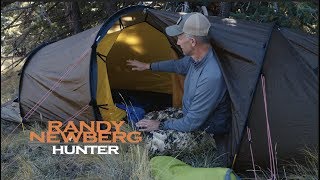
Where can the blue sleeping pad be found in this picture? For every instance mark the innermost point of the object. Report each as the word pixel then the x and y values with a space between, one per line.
pixel 134 114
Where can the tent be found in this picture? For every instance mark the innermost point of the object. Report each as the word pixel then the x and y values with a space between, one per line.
pixel 81 72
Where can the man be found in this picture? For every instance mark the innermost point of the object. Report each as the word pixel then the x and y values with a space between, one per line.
pixel 206 104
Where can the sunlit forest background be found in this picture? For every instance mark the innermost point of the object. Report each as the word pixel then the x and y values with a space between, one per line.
pixel 25 25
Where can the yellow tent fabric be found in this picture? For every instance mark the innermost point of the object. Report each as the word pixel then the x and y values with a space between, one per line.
pixel 144 43
pixel 169 168
pixel 112 113
pixel 141 42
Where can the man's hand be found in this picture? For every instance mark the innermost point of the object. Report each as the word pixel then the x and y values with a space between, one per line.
pixel 148 125
pixel 137 65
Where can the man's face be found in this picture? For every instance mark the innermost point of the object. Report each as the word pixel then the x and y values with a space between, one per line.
pixel 185 43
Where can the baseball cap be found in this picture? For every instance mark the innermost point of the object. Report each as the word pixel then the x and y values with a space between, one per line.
pixel 192 23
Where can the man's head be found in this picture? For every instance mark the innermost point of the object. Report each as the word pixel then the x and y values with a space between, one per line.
pixel 195 24
pixel 192 29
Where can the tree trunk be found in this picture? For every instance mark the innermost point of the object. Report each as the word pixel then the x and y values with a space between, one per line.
pixel 74 16
pixel 225 8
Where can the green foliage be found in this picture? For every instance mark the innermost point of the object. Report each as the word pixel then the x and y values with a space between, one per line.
pixel 298 15
pixel 25 25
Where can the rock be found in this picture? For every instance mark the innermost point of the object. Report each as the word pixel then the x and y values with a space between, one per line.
pixel 11 112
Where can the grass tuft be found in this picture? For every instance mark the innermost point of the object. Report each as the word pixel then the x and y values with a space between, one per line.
pixel 308 170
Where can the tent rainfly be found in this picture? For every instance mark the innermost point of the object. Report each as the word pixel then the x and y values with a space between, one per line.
pixel 268 70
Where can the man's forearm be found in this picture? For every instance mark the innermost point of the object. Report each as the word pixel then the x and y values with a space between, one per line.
pixel 182 124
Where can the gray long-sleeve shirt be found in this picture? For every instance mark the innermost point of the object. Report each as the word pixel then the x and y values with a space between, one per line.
pixel 205 103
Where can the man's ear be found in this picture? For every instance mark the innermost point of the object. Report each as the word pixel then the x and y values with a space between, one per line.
pixel 193 42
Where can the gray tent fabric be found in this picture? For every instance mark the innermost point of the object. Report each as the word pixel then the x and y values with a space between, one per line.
pixel 288 59
pixel 241 55
pixel 306 45
pixel 46 68
pixel 292 91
